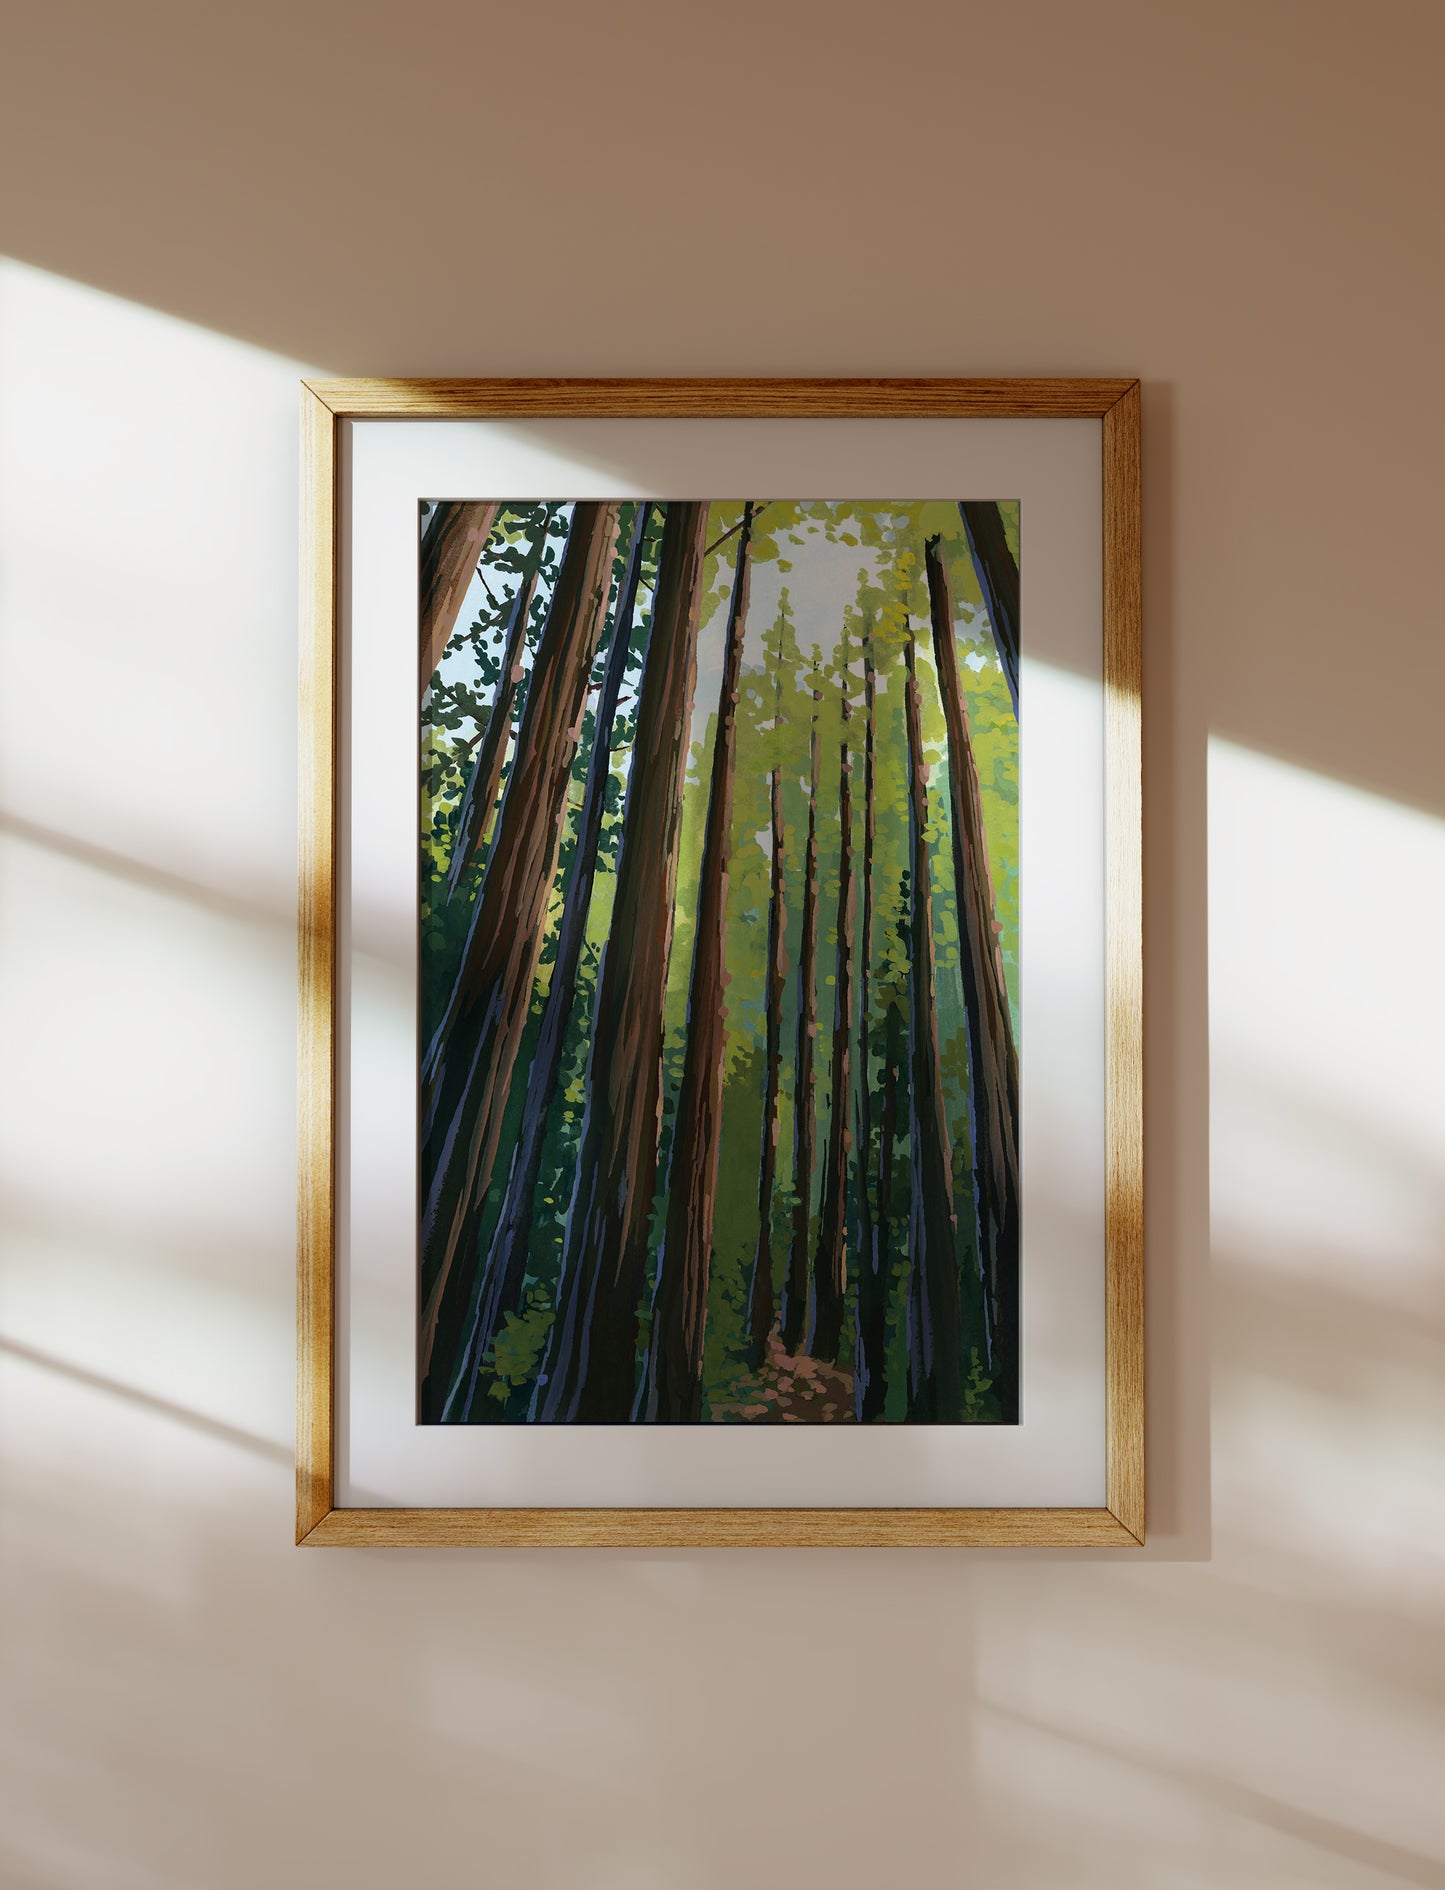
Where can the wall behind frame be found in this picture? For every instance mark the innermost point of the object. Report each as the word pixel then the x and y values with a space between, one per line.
pixel 1237 202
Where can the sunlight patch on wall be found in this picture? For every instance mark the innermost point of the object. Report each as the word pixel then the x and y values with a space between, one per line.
pixel 147 626
pixel 1328 1015
pixel 1327 932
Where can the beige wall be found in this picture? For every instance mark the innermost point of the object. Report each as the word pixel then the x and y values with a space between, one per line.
pixel 1238 202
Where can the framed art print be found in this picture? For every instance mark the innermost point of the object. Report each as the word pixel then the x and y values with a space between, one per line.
pixel 721 1008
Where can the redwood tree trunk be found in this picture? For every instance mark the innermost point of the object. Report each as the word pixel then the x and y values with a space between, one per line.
pixel 868 1381
pixel 935 1348
pixel 451 549
pixel 998 579
pixel 992 1056
pixel 760 1296
pixel 480 794
pixel 469 1065
pixel 830 1268
pixel 895 1046
pixel 590 1366
pixel 506 1267
pixel 672 1385
pixel 805 1132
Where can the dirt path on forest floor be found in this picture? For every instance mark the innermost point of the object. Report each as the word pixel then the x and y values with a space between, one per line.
pixel 788 1390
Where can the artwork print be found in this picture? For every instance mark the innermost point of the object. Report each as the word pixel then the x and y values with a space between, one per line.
pixel 719 959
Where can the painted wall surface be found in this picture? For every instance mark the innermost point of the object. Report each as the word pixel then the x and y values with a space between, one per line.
pixel 1238 201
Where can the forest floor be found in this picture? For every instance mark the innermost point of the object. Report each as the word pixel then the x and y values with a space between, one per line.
pixel 788 1390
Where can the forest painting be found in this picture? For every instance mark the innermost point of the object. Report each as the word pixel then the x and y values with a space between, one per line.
pixel 719 961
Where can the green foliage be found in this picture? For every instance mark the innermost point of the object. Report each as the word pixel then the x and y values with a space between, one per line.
pixel 735 1231
pixel 978 1406
pixel 517 1353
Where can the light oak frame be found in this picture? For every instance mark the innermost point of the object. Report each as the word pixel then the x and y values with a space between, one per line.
pixel 325 405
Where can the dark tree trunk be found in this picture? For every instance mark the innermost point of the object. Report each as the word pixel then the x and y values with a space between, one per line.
pixel 451 549
pixel 506 1267
pixel 589 1370
pixel 895 1051
pixel 935 1338
pixel 480 795
pixel 830 1268
pixel 672 1385
pixel 998 579
pixel 992 1056
pixel 760 1296
pixel 869 1387
pixel 805 1128
pixel 469 1065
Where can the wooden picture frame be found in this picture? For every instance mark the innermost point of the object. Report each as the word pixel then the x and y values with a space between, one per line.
pixel 326 405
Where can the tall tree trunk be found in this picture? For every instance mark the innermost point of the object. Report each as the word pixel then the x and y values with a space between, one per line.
pixel 760 1295
pixel 830 1269
pixel 894 1054
pixel 590 1366
pixel 992 1056
pixel 869 1387
pixel 936 1375
pixel 805 1128
pixel 506 1267
pixel 480 794
pixel 475 1047
pixel 998 579
pixel 451 549
pixel 672 1385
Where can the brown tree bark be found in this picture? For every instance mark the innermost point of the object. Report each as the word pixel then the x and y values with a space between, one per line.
pixel 869 1387
pixel 480 795
pixel 895 1050
pixel 992 1055
pixel 998 579
pixel 451 548
pixel 506 1266
pixel 589 1370
pixel 830 1265
pixel 760 1295
pixel 805 1128
pixel 672 1384
pixel 469 1065
pixel 935 1348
